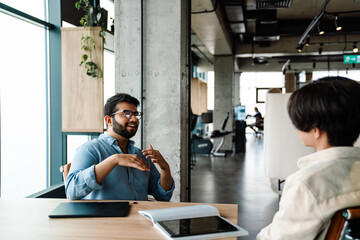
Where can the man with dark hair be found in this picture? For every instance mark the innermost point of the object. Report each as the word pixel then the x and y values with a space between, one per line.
pixel 111 167
pixel 326 114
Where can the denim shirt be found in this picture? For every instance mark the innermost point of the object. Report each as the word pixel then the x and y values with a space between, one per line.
pixel 122 183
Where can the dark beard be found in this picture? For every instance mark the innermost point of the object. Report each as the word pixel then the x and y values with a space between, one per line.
pixel 121 130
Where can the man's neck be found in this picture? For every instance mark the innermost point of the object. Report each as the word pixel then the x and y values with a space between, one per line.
pixel 122 142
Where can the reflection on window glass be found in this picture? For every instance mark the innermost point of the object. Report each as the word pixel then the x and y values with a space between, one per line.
pixel 23 108
pixel 34 8
pixel 73 142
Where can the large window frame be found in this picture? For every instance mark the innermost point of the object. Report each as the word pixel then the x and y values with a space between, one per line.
pixel 53 81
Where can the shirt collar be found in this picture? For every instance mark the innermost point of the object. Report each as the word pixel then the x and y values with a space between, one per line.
pixel 112 141
pixel 328 154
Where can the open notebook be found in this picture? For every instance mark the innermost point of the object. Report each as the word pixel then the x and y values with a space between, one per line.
pixel 192 222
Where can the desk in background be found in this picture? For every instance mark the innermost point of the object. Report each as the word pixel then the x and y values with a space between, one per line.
pixel 27 218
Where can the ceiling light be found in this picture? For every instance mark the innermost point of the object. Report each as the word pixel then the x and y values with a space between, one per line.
pixel 321 32
pixel 307 43
pixel 299 48
pixel 355 49
pixel 337 26
pixel 320 48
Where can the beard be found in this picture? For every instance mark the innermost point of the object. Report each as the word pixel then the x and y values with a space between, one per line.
pixel 121 130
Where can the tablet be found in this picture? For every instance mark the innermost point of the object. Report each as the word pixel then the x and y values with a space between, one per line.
pixel 90 209
pixel 197 226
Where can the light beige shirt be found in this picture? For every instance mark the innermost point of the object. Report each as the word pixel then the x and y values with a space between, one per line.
pixel 327 181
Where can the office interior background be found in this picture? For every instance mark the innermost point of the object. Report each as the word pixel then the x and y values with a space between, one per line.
pixel 235 49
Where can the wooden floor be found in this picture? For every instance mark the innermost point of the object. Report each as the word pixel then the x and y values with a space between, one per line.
pixel 237 178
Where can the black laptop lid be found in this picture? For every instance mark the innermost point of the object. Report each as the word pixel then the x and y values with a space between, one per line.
pixel 90 209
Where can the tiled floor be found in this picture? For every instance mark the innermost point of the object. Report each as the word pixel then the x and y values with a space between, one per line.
pixel 237 178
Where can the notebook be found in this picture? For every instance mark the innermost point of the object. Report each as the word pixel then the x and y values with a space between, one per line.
pixel 90 209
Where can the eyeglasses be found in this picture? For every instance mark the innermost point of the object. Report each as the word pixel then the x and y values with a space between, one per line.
pixel 128 114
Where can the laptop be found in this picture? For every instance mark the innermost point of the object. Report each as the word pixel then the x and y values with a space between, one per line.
pixel 90 209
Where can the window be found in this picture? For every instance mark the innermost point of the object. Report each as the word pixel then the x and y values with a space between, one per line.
pixel 253 88
pixel 352 74
pixel 23 105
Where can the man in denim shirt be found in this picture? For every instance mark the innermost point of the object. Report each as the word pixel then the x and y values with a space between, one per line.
pixel 111 167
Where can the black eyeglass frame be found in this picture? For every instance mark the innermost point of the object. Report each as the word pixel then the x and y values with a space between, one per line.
pixel 128 114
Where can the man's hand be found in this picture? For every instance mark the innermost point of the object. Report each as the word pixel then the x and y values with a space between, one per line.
pixel 156 157
pixel 128 160
pixel 132 160
pixel 165 175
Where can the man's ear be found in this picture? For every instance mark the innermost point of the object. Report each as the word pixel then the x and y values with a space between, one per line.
pixel 108 120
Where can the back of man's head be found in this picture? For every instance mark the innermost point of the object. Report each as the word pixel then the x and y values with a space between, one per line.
pixel 110 105
pixel 331 104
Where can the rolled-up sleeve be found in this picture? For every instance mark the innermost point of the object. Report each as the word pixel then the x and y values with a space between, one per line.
pixel 81 179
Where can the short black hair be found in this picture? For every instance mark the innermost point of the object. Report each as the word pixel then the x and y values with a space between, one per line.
pixel 117 98
pixel 331 104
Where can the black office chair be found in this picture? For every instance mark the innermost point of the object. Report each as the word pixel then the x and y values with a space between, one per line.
pixel 221 133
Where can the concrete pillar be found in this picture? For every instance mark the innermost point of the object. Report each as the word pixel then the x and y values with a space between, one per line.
pixel 165 76
pixel 236 89
pixel 224 82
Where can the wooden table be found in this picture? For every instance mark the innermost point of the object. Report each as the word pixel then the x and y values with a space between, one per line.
pixel 27 218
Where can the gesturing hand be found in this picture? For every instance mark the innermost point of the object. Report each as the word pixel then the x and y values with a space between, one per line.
pixel 156 157
pixel 132 160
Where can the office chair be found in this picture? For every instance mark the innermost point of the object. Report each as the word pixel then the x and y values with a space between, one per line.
pixel 345 224
pixel 65 170
pixel 221 133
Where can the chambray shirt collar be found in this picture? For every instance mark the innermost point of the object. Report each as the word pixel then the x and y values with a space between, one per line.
pixel 329 153
pixel 113 142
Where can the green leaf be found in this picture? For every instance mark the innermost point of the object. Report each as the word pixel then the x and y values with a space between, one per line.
pixel 77 5
pixel 84 57
pixel 98 16
pixel 90 64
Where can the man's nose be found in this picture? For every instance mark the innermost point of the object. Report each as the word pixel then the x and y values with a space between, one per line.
pixel 133 117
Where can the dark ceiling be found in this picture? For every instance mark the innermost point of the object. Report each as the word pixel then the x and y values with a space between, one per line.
pixel 265 31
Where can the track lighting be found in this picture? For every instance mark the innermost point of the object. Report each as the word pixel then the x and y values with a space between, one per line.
pixel 355 49
pixel 321 32
pixel 320 48
pixel 299 48
pixel 307 43
pixel 337 26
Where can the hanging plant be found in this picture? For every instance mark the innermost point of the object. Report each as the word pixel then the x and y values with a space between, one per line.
pixel 95 16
